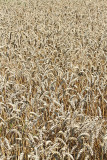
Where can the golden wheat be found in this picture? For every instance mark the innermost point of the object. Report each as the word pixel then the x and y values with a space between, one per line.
pixel 53 79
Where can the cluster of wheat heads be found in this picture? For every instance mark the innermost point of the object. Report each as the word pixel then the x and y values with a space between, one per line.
pixel 53 81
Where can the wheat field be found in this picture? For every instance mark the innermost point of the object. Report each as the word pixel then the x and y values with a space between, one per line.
pixel 53 79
